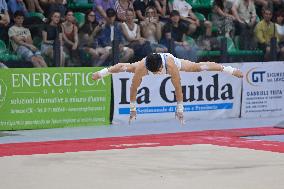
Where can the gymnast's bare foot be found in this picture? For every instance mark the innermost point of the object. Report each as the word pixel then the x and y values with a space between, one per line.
pixel 237 73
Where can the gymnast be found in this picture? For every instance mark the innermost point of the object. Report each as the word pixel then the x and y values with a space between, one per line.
pixel 158 64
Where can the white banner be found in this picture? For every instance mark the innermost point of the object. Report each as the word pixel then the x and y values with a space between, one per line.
pixel 207 95
pixel 263 89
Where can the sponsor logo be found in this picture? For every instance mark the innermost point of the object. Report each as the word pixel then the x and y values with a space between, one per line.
pixel 255 77
pixel 200 92
pixel 219 96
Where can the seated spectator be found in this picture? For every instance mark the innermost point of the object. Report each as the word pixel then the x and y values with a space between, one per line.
pixel 4 21
pixel 22 42
pixel 34 6
pixel 280 30
pixel 151 30
pixel 222 17
pixel 264 31
pixel 70 36
pixel 245 16
pixel 131 32
pixel 33 23
pixel 112 34
pixel 121 6
pixel 51 34
pixel 89 31
pixel 187 15
pixel 174 38
pixel 140 7
pixel 100 7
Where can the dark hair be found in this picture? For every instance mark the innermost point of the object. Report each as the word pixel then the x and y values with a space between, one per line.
pixel 67 11
pixel 51 15
pixel 174 13
pixel 110 12
pixel 219 3
pixel 267 8
pixel 279 13
pixel 153 62
pixel 153 8
pixel 19 13
pixel 87 14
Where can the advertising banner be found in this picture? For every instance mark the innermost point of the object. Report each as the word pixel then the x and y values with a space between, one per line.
pixel 206 95
pixel 52 97
pixel 263 89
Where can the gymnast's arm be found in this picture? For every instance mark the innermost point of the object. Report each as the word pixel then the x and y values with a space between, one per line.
pixel 175 77
pixel 136 81
pixel 139 70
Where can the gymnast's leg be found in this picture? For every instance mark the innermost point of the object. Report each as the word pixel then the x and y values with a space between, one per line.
pixel 120 67
pixel 189 66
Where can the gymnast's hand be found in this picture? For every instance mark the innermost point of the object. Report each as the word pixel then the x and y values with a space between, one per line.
pixel 132 116
pixel 179 113
pixel 179 116
pixel 133 113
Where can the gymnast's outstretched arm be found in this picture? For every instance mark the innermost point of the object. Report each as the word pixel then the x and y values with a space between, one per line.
pixel 188 66
pixel 117 68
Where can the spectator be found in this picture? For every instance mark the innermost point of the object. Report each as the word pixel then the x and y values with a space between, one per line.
pixel 280 31
pixel 50 34
pixel 264 31
pixel 32 22
pixel 140 7
pixel 245 16
pixel 131 32
pixel 175 32
pixel 222 18
pixel 121 6
pixel 34 6
pixel 4 21
pixel 151 30
pixel 100 7
pixel 189 17
pixel 70 36
pixel 111 33
pixel 22 42
pixel 89 31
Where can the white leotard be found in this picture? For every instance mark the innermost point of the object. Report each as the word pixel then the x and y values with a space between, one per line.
pixel 164 57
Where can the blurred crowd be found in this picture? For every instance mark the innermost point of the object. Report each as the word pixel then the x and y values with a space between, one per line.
pixel 114 31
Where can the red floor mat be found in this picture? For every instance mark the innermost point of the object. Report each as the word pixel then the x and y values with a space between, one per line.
pixel 229 137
